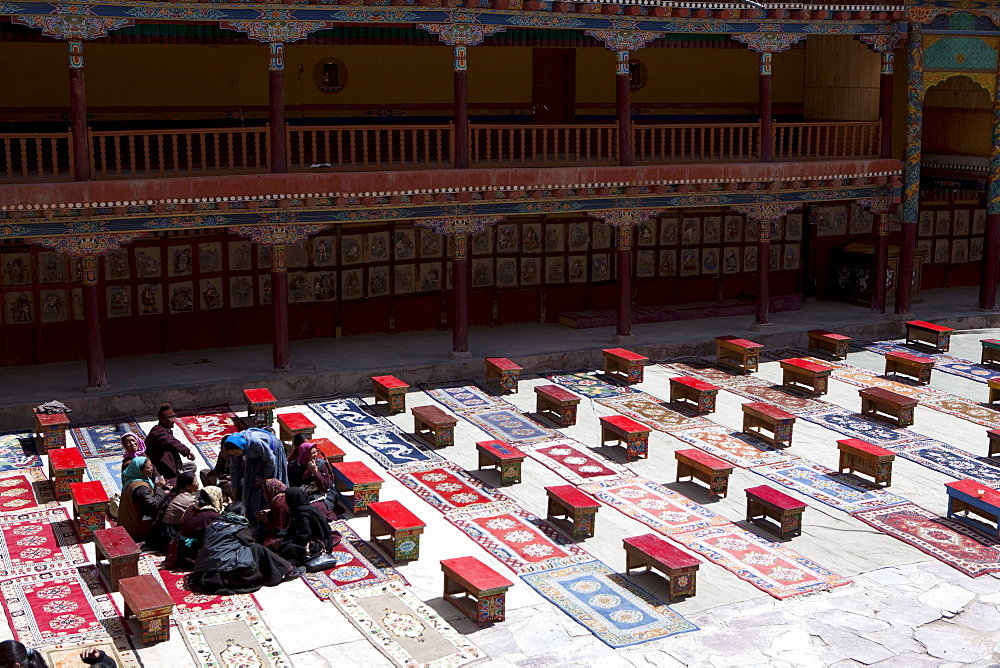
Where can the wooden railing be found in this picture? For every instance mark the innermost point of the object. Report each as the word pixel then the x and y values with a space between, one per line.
pixel 360 147
pixel 548 145
pixel 833 139
pixel 663 144
pixel 129 153
pixel 36 157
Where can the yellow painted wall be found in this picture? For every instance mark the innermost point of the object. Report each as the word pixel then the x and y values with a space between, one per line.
pixel 34 74
pixel 841 79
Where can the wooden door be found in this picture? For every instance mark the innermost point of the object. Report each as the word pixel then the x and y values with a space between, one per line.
pixel 553 86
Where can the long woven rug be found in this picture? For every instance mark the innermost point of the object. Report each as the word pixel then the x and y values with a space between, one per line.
pixel 590 385
pixel 837 490
pixel 67 655
pixel 17 451
pixel 210 426
pixel 654 505
pixel 104 439
pixel 574 461
pixel 950 460
pixel 461 398
pixel 106 470
pixel 37 541
pixel 21 489
pixel 942 361
pixel 346 414
pixel 735 447
pixel 446 486
pixel 509 424
pixel 652 412
pixel 188 603
pixel 231 639
pixel 358 565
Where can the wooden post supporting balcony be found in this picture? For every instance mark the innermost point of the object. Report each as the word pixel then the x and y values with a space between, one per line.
pixel 881 263
pixel 885 104
pixel 96 372
pixel 461 113
pixel 763 273
pixel 624 247
pixel 764 98
pixel 460 295
pixel 623 104
pixel 991 250
pixel 279 304
pixel 911 168
pixel 276 108
pixel 78 113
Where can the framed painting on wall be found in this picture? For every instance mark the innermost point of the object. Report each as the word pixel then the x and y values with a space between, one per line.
pixel 942 252
pixel 297 255
pixel 733 229
pixel 976 249
pixel 928 246
pixel 961 222
pixel 179 261
pixel 531 237
pixel 710 261
pixel 210 258
pixel 378 281
pixel 299 290
pixel 925 224
pixel 404 279
pixel 116 265
pixel 555 237
pixel 790 257
pixel 151 297
pixel 731 260
pixel 979 221
pixel 668 262
pixel 942 223
pixel 240 258
pixel 793 227
pixel 210 293
pixel 377 248
pixel 690 235
pixel 579 236
pixel 182 297
pixel 51 268
pixel 600 267
pixel 668 231
pixel 529 271
pixel 775 264
pixel 240 291
pixel 749 258
pixel 555 270
pixel 430 277
pixel 323 285
pixel 264 258
pixel 353 282
pixel 482 273
pixel 17 269
pixel 53 307
pixel 645 233
pixel 264 283
pixel 690 262
pixel 861 221
pixel 712 230
pixel 960 251
pixel 404 246
pixel 482 242
pixel 430 243
pixel 19 308
pixel 507 272
pixel 645 263
pixel 577 268
pixel 324 251
pixel 507 238
pixel 602 235
pixel 351 251
pixel 750 231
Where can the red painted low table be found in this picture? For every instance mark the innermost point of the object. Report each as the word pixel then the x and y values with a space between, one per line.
pixel 835 344
pixel 261 405
pixel 759 415
pixel 858 455
pixel 292 424
pixel 651 551
pixel 968 496
pixel 148 600
pixel 390 390
pixel 991 351
pixel 906 364
pixel 505 370
pixel 558 402
pixel 506 458
pixel 994 386
pixel 803 374
pixel 710 470
pixel 764 501
pixel 626 430
pixel 624 365
pixel 994 446
pixel 360 481
pixel 697 392
pixel 878 402
pixel 66 466
pixel 403 528
pixel 50 431
pixel 120 550
pixel 483 590
pixel 329 450
pixel 937 336
pixel 572 510
pixel 434 425
pixel 90 507
pixel 741 354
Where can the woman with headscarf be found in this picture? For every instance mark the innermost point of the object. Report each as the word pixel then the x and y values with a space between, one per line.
pixel 230 562
pixel 309 469
pixel 275 517
pixel 191 532
pixel 168 521
pixel 254 456
pixel 133 447
pixel 308 533
pixel 141 498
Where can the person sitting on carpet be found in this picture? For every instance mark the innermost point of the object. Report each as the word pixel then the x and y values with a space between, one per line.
pixel 219 475
pixel 254 456
pixel 97 657
pixel 309 469
pixel 168 521
pixel 15 655
pixel 308 533
pixel 196 519
pixel 133 447
pixel 275 517
pixel 230 562
pixel 141 498
pixel 165 450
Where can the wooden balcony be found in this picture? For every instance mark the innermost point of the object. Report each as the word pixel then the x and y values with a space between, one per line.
pixel 133 154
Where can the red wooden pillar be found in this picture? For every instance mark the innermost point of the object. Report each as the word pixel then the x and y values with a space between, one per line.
pixel 885 105
pixel 764 98
pixel 78 113
pixel 461 111
pixel 991 244
pixel 623 105
pixel 881 263
pixel 763 272
pixel 624 246
pixel 279 303
pixel 96 372
pixel 460 295
pixel 276 109
pixel 911 168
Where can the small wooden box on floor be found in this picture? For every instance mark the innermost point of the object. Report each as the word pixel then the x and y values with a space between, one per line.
pixel 764 501
pixel 390 390
pixel 505 370
pixel 624 365
pixel 475 589
pixel 936 336
pixel 391 519
pixel 835 344
pixel 651 551
pixel 967 497
pixel 557 403
pixel 914 366
pixel 356 484
pixel 436 426
pixel 50 431
pixel 991 351
pixel 506 458
pixel 700 394
pixel 625 430
pixel 121 552
pixel 66 466
pixel 858 456
pixel 758 415
pixel 803 374
pixel 146 598
pixel 572 511
pixel 710 470
pixel 261 405
pixel 737 353
pixel 878 402
pixel 291 425
pixel 90 508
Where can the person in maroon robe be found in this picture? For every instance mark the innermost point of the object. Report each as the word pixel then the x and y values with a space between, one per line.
pixel 165 450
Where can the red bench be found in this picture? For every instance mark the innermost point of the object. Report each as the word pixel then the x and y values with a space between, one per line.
pixel 710 470
pixel 621 429
pixel 906 364
pixel 758 415
pixel 835 344
pixel 390 390
pixel 572 511
pixel 149 601
pixel 50 431
pixel 391 519
pixel 651 551
pixel 66 466
pixel 558 402
pixel 261 405
pixel 741 354
pixel 991 351
pixel 436 426
pixel 329 450
pixel 358 480
pixel 701 394
pixel 994 446
pixel 878 402
pixel 801 373
pixel 994 385
pixel 292 424
pixel 90 507
pixel 938 336
pixel 624 365
pixel 764 501
pixel 483 590
pixel 858 455
pixel 120 550
pixel 505 370
pixel 506 458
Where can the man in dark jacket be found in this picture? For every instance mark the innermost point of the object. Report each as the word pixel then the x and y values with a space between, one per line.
pixel 165 450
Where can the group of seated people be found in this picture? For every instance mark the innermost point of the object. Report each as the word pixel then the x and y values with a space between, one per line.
pixel 263 519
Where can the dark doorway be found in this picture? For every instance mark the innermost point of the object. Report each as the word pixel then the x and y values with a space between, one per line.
pixel 553 86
